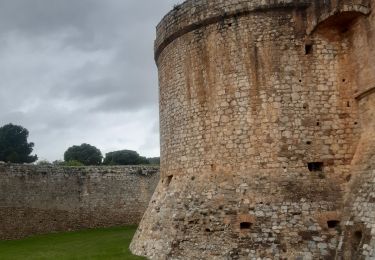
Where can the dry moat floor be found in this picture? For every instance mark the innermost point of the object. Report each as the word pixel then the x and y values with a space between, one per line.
pixel 110 243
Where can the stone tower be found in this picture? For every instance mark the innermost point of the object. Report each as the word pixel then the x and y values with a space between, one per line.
pixel 267 131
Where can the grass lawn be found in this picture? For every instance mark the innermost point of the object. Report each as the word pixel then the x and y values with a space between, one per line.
pixel 109 243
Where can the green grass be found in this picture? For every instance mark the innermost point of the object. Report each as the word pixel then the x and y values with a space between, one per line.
pixel 110 243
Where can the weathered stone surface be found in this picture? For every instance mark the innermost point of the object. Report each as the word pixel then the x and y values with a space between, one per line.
pixel 267 125
pixel 43 199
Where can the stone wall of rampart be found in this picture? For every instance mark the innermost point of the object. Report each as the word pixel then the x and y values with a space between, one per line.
pixel 43 199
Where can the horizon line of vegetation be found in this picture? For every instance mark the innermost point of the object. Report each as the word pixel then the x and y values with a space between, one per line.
pixel 14 148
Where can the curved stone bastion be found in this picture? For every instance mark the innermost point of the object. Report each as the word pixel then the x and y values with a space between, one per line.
pixel 267 132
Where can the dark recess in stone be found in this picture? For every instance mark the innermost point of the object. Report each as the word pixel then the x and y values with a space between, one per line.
pixel 344 30
pixel 308 49
pixel 333 223
pixel 168 180
pixel 357 240
pixel 245 225
pixel 315 166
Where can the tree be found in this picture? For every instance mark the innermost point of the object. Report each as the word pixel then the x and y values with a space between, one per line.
pixel 44 163
pixel 85 154
pixel 68 163
pixel 58 163
pixel 73 163
pixel 14 147
pixel 154 160
pixel 124 157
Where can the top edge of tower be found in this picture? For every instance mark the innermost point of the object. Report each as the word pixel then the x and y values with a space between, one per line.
pixel 192 14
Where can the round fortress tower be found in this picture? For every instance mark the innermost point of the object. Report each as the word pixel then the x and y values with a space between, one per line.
pixel 259 125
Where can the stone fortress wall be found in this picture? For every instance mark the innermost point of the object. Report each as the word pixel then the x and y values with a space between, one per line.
pixel 44 199
pixel 267 131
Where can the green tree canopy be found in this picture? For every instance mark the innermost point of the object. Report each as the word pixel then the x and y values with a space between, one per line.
pixel 154 160
pixel 124 157
pixel 85 154
pixel 44 163
pixel 14 147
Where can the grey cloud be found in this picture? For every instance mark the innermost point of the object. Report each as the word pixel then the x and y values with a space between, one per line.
pixel 78 71
pixel 40 17
pixel 126 101
pixel 89 22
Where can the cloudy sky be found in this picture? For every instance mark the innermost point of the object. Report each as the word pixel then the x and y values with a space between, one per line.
pixel 75 71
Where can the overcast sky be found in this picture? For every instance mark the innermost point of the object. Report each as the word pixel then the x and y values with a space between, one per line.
pixel 81 71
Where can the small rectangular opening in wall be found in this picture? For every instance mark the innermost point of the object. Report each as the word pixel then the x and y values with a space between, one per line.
pixel 333 223
pixel 308 49
pixel 245 225
pixel 315 166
